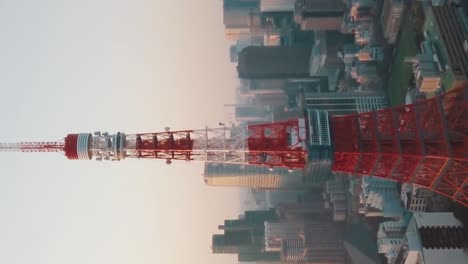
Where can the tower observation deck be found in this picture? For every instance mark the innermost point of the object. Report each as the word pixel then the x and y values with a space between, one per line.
pixel 425 143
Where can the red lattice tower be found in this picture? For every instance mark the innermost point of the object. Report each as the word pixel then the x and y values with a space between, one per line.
pixel 278 144
pixel 425 143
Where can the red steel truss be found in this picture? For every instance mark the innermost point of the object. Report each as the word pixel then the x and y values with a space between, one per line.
pixel 425 143
pixel 276 145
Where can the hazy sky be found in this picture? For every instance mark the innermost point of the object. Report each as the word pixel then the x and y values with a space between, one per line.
pixel 110 65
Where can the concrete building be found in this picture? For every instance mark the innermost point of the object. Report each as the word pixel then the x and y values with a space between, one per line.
pixel 274 62
pixel 319 14
pixel 392 15
pixel 433 238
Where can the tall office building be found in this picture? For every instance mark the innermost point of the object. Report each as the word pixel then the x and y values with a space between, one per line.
pixel 319 14
pixel 392 15
pixel 245 237
pixel 274 62
pixel 252 176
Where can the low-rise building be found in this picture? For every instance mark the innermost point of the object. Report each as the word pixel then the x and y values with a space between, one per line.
pixel 380 198
pixel 390 238
pixel 419 199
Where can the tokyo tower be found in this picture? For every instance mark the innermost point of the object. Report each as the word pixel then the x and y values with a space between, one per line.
pixel 425 143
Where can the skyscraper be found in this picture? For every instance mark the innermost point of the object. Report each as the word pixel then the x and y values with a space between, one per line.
pixel 274 62
pixel 245 237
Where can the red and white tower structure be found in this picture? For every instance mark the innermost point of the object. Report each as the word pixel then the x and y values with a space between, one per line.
pixel 425 143
pixel 277 144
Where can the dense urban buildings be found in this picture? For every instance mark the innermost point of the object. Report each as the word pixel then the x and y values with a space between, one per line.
pixel 322 58
pixel 312 241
